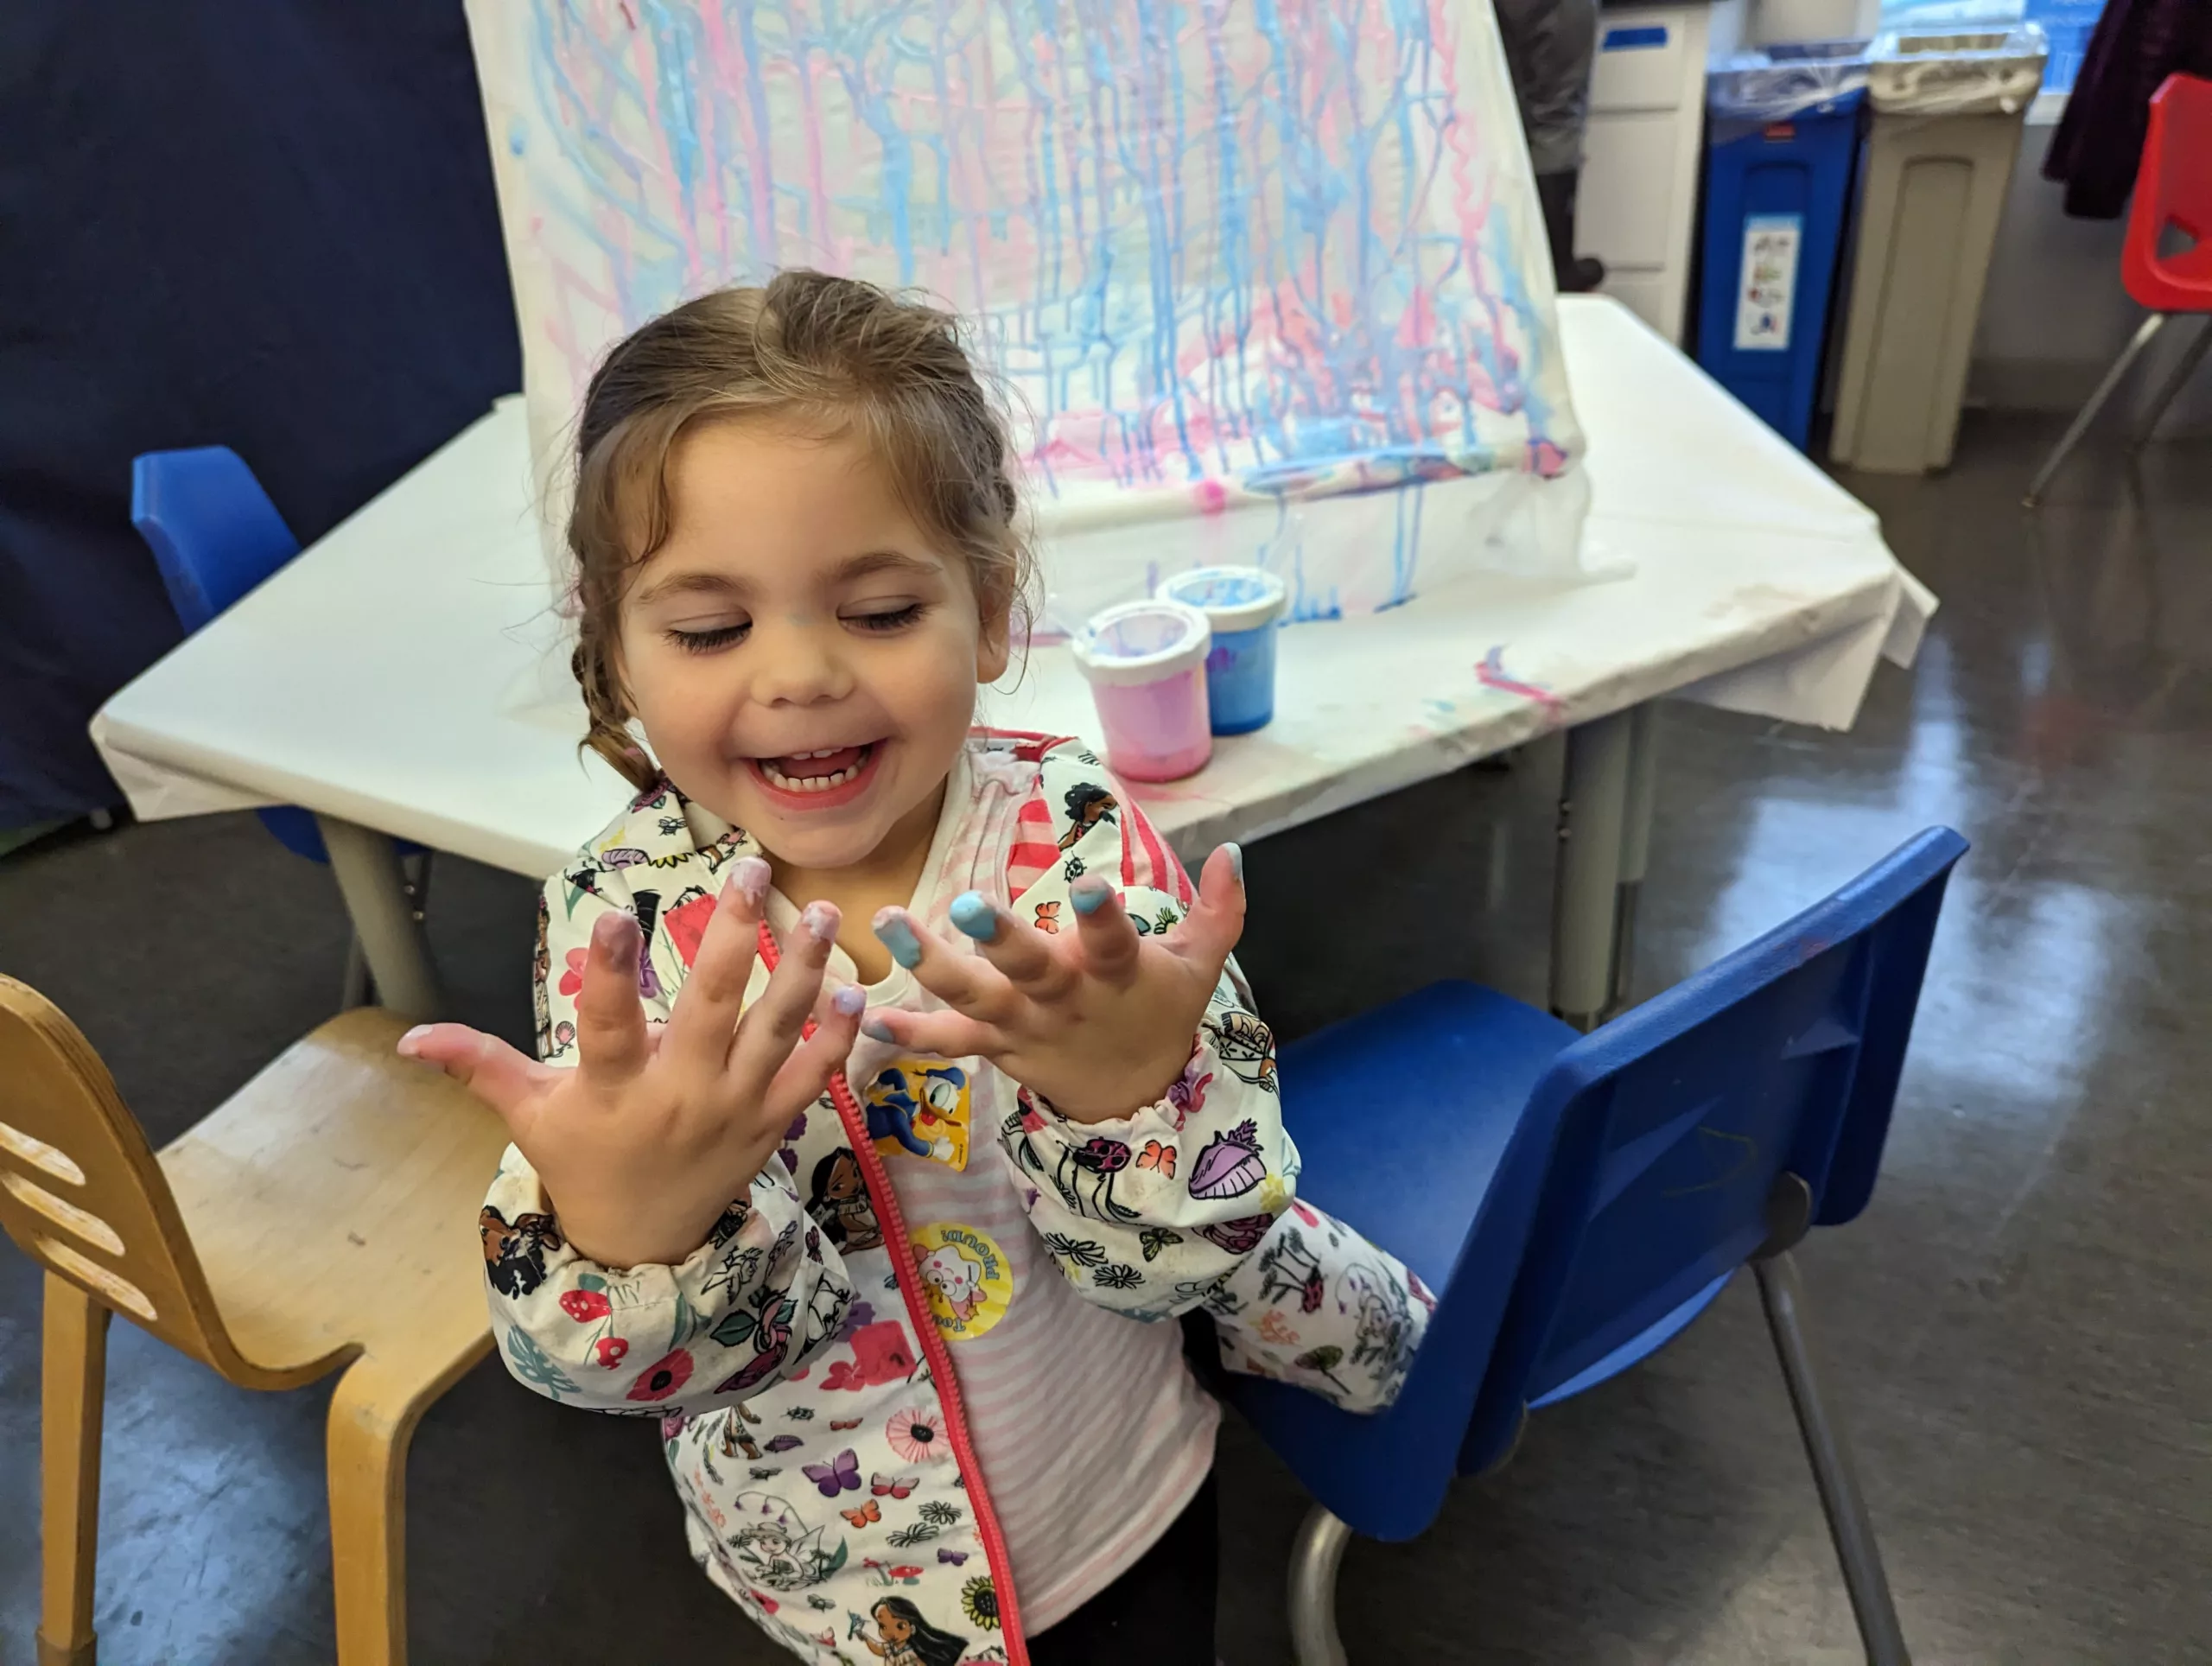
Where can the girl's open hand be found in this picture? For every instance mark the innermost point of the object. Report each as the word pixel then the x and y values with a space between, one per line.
pixel 1099 1020
pixel 644 1143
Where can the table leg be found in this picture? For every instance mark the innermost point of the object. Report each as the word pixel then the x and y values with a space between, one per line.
pixel 1585 900
pixel 1636 847
pixel 367 866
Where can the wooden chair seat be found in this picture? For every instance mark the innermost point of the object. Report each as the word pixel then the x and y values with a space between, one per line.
pixel 324 1217
pixel 341 1171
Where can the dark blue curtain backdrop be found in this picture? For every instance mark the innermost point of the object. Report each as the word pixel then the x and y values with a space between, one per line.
pixel 268 224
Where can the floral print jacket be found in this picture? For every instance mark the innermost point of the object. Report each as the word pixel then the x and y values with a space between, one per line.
pixel 807 1403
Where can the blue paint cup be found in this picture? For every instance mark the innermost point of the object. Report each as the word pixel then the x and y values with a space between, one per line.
pixel 1242 604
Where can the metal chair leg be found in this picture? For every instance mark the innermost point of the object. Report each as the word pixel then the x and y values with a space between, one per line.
pixel 2184 367
pixel 1315 1557
pixel 1830 1453
pixel 2142 337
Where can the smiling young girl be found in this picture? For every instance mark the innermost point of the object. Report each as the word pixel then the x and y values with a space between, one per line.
pixel 891 1286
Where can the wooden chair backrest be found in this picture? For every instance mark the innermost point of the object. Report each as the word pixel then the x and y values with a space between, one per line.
pixel 81 1192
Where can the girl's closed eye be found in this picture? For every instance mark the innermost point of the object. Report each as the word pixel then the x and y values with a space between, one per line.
pixel 711 639
pixel 886 618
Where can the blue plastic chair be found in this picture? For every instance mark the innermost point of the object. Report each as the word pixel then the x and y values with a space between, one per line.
pixel 1577 1200
pixel 215 536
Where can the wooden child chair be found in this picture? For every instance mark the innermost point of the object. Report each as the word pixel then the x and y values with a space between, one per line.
pixel 323 1218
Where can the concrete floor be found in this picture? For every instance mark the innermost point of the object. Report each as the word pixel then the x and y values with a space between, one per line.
pixel 2018 1323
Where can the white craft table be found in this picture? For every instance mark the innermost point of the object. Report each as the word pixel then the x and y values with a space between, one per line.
pixel 405 676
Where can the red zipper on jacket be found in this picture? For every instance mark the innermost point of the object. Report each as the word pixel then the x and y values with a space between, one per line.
pixel 884 1198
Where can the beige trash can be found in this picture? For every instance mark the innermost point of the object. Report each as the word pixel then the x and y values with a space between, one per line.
pixel 1948 109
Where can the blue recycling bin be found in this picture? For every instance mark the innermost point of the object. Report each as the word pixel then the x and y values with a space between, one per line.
pixel 1783 138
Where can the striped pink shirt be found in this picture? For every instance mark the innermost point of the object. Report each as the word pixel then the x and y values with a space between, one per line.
pixel 1091 1432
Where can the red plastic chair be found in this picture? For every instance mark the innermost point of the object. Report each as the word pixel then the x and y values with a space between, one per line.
pixel 2173 188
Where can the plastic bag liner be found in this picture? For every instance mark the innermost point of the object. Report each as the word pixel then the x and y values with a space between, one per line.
pixel 1788 81
pixel 1957 72
pixel 1256 295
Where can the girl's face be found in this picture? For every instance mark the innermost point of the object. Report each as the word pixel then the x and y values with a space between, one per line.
pixel 895 1629
pixel 803 661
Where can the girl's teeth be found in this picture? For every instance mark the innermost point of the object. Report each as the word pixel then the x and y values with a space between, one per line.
pixel 813 783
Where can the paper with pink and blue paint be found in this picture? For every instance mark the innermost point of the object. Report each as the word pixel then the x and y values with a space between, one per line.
pixel 1228 259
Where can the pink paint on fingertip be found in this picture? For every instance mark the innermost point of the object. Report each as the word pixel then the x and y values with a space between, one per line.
pixel 750 876
pixel 1213 496
pixel 616 932
pixel 820 920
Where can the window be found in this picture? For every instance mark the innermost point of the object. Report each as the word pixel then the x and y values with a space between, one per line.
pixel 2067 23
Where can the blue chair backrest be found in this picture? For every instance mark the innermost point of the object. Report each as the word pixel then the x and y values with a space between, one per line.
pixel 215 536
pixel 213 532
pixel 1668 1128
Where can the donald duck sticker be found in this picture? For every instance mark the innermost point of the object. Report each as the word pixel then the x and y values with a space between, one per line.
pixel 920 1107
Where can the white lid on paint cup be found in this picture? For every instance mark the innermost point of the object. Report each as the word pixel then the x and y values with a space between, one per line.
pixel 1232 598
pixel 1142 642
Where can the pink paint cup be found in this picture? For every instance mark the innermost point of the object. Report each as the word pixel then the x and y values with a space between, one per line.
pixel 1146 662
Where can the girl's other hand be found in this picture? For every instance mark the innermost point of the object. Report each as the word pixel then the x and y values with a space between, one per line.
pixel 645 1141
pixel 1099 1020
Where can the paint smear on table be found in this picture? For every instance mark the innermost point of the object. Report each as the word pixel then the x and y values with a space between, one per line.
pixel 1491 674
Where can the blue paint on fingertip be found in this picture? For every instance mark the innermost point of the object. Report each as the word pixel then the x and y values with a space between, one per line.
pixel 973 913
pixel 895 933
pixel 876 1030
pixel 1089 895
pixel 851 1000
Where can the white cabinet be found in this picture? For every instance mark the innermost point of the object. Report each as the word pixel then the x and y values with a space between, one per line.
pixel 1637 206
